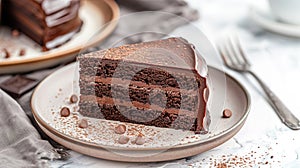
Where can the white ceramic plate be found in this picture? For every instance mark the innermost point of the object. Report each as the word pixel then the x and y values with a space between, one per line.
pixel 263 18
pixel 95 15
pixel 99 139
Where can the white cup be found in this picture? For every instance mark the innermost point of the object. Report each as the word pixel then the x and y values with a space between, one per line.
pixel 286 10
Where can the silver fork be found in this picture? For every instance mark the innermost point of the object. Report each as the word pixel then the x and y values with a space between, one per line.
pixel 235 58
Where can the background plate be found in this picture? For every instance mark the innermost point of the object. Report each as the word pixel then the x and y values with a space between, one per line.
pixel 95 14
pixel 264 18
pixel 100 141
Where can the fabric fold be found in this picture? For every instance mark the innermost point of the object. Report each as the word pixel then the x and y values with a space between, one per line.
pixel 21 145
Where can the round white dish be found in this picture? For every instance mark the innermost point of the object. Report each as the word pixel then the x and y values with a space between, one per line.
pixel 162 144
pixel 264 18
pixel 286 10
pixel 96 15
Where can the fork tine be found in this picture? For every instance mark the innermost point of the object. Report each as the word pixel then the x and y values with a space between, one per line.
pixel 221 54
pixel 233 54
pixel 240 50
pixel 234 50
pixel 224 54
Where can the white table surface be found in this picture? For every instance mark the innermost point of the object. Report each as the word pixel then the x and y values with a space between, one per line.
pixel 263 141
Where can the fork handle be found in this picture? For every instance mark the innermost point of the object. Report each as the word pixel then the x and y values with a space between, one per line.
pixel 286 116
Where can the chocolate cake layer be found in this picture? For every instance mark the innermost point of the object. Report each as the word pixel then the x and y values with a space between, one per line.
pixel 50 30
pixel 134 104
pixel 147 117
pixel 134 83
pixel 167 97
pixel 163 76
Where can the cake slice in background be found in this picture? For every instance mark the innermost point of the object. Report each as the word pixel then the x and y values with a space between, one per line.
pixel 50 23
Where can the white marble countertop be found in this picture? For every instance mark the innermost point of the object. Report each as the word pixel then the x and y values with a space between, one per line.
pixel 263 141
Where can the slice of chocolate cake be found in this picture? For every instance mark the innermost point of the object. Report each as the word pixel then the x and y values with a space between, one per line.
pixel 50 23
pixel 159 83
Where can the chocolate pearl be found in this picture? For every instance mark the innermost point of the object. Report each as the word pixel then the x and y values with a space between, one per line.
pixel 6 53
pixel 140 140
pixel 73 99
pixel 83 123
pixel 123 139
pixel 15 33
pixel 22 52
pixel 65 112
pixel 120 129
pixel 227 113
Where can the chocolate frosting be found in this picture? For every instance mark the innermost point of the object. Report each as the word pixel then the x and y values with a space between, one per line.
pixel 173 52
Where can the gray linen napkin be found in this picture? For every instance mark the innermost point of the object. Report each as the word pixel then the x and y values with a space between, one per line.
pixel 20 143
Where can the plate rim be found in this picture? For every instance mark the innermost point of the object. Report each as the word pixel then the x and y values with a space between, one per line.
pixel 165 155
pixel 272 25
pixel 238 124
pixel 110 25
